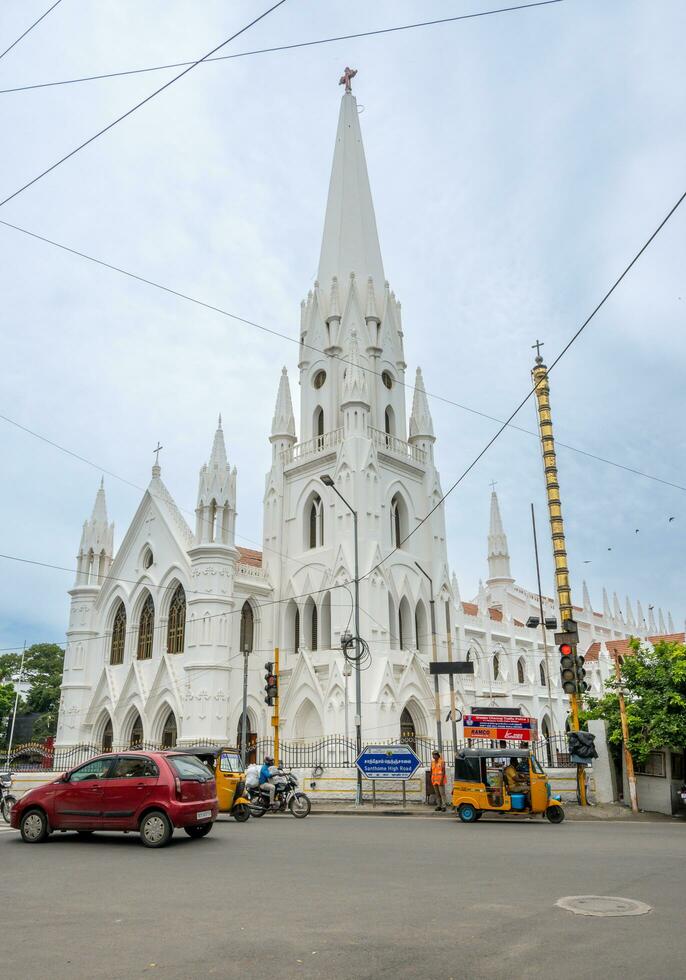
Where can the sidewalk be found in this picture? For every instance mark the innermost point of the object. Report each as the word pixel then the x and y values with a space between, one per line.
pixel 603 811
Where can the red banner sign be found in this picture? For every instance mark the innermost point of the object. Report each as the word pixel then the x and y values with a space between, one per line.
pixel 505 727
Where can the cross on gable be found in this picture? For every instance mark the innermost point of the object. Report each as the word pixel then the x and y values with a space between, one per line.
pixel 156 451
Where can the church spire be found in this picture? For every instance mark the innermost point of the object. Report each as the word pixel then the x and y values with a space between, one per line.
pixel 96 546
pixel 350 242
pixel 498 554
pixel 421 424
pixel 283 421
pixel 216 508
pixel 218 454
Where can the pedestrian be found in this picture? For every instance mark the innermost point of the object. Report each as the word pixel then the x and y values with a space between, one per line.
pixel 438 780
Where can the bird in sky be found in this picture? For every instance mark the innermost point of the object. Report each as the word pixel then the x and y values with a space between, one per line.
pixel 650 608
pixel 609 549
pixel 588 562
pixel 637 530
pixel 669 520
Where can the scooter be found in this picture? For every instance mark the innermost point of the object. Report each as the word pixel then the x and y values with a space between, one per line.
pixel 7 800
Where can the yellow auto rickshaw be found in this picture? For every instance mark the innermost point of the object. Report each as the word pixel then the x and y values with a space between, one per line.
pixel 227 768
pixel 481 786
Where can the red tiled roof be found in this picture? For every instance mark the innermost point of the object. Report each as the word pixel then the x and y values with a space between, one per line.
pixel 622 648
pixel 517 622
pixel 249 557
pixel 591 654
pixel 496 615
pixel 470 609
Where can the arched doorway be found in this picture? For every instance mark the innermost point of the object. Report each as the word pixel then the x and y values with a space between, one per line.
pixel 250 741
pixel 169 732
pixel 307 723
pixel 408 732
pixel 107 736
pixel 136 737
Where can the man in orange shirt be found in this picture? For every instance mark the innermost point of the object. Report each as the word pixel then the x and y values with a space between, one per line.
pixel 438 780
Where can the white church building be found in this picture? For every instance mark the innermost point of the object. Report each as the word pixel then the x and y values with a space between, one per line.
pixel 157 629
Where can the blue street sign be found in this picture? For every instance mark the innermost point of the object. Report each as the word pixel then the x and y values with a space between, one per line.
pixel 387 762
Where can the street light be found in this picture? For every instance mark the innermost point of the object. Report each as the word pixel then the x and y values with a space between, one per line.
pixel 328 482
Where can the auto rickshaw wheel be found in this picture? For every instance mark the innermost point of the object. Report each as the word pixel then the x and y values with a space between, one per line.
pixel 241 812
pixel 468 813
pixel 555 814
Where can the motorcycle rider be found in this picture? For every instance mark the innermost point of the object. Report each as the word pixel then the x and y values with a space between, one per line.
pixel 266 781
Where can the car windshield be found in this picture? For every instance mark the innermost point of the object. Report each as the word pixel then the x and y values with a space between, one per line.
pixel 189 767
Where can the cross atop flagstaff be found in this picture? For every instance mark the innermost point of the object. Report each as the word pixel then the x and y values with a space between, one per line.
pixel 493 485
pixel 156 451
pixel 538 345
pixel 347 77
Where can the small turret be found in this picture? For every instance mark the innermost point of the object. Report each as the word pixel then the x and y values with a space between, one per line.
pixel 588 606
pixel 283 423
pixel 355 396
pixel 95 550
pixel 498 553
pixel 629 613
pixel 421 423
pixel 661 622
pixel 616 608
pixel 607 612
pixel 652 626
pixel 670 623
pixel 640 618
pixel 216 509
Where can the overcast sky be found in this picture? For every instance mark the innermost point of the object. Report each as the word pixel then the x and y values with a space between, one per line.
pixel 517 163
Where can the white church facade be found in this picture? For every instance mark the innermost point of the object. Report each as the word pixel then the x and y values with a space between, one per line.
pixel 157 629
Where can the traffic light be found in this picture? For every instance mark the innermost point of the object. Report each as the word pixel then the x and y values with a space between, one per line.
pixel 271 685
pixel 581 684
pixel 572 670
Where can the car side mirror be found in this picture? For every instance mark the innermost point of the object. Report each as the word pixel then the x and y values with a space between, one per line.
pixel 64 778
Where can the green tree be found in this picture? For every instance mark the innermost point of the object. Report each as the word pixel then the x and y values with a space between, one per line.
pixel 9 671
pixel 654 683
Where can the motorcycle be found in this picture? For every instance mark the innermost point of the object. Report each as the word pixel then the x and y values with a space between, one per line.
pixel 287 796
pixel 7 800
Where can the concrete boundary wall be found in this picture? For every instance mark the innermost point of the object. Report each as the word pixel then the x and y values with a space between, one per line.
pixel 339 784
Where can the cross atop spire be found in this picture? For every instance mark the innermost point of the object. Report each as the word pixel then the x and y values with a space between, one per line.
pixel 347 77
pixel 538 345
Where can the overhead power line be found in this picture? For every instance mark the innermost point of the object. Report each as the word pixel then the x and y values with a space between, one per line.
pixel 138 105
pixel 29 29
pixel 531 391
pixel 291 340
pixel 281 47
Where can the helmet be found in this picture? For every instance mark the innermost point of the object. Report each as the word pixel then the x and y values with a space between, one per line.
pixel 268 760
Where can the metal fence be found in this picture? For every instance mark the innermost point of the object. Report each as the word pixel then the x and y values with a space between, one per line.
pixel 332 752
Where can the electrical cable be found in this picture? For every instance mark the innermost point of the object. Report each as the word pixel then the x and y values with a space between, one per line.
pixel 282 47
pixel 276 333
pixel 29 29
pixel 138 105
pixel 531 391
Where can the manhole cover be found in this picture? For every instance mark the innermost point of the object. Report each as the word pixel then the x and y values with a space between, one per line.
pixel 602 905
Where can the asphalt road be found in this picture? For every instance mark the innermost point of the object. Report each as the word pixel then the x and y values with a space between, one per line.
pixel 345 897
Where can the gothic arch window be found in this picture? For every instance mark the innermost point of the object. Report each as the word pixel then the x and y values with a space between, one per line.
pixel 136 737
pixel 392 624
pixel 422 629
pixel 541 673
pixel 118 636
pixel 107 736
pixel 318 424
pixel 213 520
pixel 247 624
pixel 169 732
pixel 520 671
pixel 496 666
pixel 296 631
pixel 389 422
pixel 324 637
pixel 176 629
pixel 399 521
pixel 315 628
pixel 146 629
pixel 315 519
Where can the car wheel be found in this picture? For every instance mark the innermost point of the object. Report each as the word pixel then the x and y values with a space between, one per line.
pixel 34 827
pixel 155 829
pixel 241 812
pixel 199 830
pixel 555 814
pixel 467 813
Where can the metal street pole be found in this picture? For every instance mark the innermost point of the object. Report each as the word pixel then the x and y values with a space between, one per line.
pixel 451 679
pixel 244 717
pixel 545 638
pixel 434 657
pixel 539 376
pixel 328 482
pixel 275 715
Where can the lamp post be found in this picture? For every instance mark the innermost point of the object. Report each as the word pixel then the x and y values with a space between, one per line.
pixel 439 733
pixel 328 482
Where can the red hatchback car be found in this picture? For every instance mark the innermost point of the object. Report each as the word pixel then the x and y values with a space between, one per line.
pixel 148 792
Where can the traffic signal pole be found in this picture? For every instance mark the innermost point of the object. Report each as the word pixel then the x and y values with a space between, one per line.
pixel 539 376
pixel 275 714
